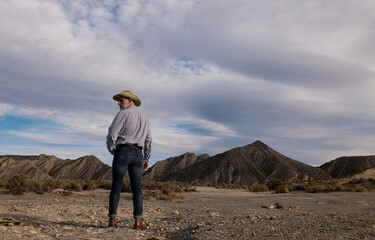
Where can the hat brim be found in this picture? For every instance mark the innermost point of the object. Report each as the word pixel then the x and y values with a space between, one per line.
pixel 135 99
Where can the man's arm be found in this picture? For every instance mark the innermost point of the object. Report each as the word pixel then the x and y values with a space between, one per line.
pixel 147 145
pixel 113 132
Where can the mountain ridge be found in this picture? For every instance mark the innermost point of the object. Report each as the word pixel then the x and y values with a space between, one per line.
pixel 348 166
pixel 44 167
pixel 252 163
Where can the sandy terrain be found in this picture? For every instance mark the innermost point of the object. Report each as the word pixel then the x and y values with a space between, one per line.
pixel 207 214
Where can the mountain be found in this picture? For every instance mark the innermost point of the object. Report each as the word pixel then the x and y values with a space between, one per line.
pixel 162 170
pixel 363 166
pixel 45 167
pixel 254 163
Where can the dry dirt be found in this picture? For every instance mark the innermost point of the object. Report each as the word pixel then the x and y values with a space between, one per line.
pixel 207 214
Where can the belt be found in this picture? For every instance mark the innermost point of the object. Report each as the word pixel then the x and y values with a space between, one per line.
pixel 128 145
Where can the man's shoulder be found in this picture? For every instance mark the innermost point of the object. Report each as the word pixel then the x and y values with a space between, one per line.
pixel 133 110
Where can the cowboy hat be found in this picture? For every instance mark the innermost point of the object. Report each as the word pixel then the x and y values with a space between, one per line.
pixel 128 94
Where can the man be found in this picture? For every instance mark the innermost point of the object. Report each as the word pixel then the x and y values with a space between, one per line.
pixel 128 134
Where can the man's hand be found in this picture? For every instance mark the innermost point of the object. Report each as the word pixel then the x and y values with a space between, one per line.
pixel 145 165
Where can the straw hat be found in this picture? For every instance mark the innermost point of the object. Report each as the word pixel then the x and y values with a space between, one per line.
pixel 128 94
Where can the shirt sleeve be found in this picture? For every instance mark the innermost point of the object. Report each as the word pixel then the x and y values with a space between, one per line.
pixel 147 145
pixel 113 131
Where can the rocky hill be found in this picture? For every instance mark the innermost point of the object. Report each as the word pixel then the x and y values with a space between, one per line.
pixel 165 170
pixel 363 166
pixel 254 163
pixel 44 167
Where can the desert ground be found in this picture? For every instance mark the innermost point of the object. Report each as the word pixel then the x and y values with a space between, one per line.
pixel 209 213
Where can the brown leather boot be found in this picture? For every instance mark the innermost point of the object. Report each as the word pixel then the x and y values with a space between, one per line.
pixel 139 224
pixel 112 222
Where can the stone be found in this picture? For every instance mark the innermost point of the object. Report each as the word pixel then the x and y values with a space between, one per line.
pixel 278 206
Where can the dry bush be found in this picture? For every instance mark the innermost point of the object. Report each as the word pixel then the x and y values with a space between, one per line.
pixel 67 193
pixel 89 185
pixel 151 185
pixel 126 187
pixel 36 186
pixel 158 195
pixel 174 197
pixel 281 189
pixel 299 187
pixel 328 186
pixel 18 184
pixel 105 184
pixel 170 187
pixel 3 183
pixel 316 188
pixel 73 185
pixel 227 186
pixel 51 184
pixel 171 197
pixel 166 191
pixel 150 195
pixel 189 188
pixel 186 186
pixel 21 183
pixel 367 184
pixel 195 183
pixel 258 188
pixel 353 188
pixel 273 183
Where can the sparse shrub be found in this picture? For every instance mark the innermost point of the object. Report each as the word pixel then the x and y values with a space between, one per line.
pixel 169 187
pixel 67 192
pixel 174 197
pixel 333 188
pixel 105 184
pixel 36 186
pixel 322 186
pixel 74 185
pixel 89 185
pixel 281 189
pixel 151 185
pixel 222 185
pixel 150 195
pixel 234 186
pixel 258 188
pixel 353 188
pixel 171 197
pixel 126 187
pixel 189 188
pixel 166 191
pixel 51 184
pixel 195 183
pixel 299 187
pixel 369 186
pixel 316 188
pixel 18 184
pixel 315 182
pixel 273 183
pixel 3 183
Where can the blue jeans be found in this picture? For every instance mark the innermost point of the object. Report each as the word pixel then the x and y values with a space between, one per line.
pixel 127 158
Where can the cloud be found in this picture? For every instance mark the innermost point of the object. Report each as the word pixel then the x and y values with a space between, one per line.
pixel 4 108
pixel 211 74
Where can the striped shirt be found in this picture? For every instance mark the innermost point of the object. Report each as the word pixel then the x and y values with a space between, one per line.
pixel 130 126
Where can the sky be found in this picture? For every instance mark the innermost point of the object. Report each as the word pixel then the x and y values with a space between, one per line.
pixel 212 75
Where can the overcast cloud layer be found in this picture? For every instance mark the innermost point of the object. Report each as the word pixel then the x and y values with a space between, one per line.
pixel 212 75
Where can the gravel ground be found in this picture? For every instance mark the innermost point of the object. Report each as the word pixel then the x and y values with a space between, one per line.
pixel 207 214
